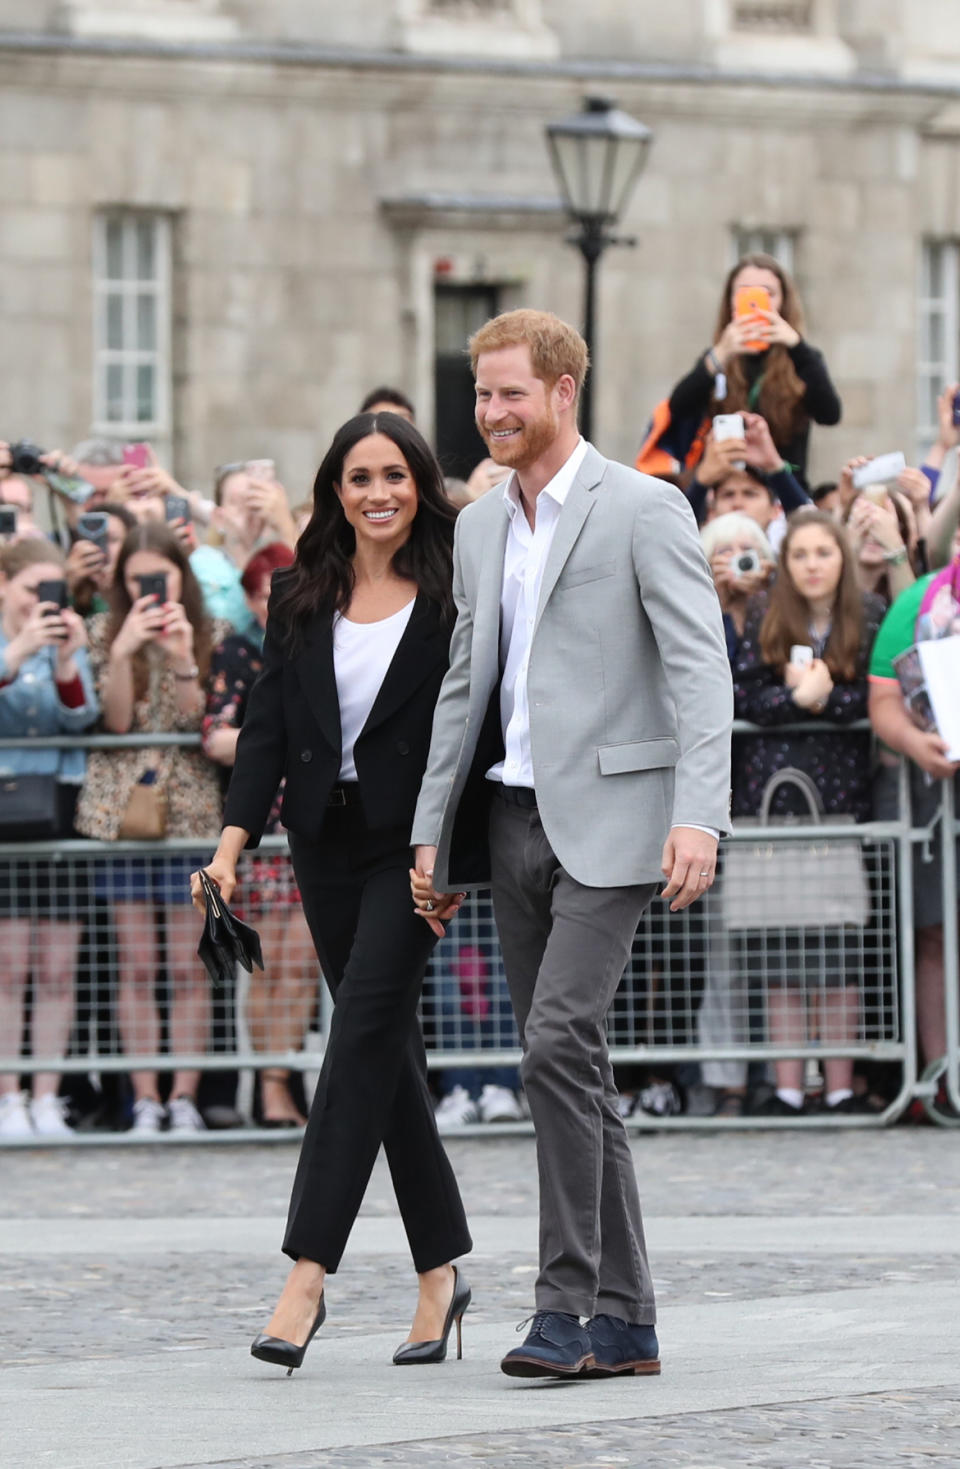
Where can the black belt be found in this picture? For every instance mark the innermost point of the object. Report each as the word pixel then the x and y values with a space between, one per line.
pixel 516 795
pixel 346 793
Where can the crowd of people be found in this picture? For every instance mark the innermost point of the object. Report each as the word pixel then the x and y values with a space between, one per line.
pixel 144 612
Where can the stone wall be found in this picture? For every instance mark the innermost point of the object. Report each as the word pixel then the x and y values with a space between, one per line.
pixel 312 201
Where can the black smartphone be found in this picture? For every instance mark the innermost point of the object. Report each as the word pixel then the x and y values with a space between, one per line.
pixel 8 520
pixel 92 526
pixel 177 507
pixel 956 410
pixel 154 585
pixel 53 591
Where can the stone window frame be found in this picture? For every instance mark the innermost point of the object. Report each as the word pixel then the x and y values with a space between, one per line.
pixel 764 239
pixel 938 331
pixel 132 322
pixel 774 17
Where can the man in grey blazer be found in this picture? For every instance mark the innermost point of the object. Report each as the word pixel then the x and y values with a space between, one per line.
pixel 584 728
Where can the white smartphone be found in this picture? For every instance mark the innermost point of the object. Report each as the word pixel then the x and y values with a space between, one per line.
pixel 879 471
pixel 801 655
pixel 729 426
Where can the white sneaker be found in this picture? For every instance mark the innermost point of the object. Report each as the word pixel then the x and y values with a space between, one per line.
pixel 498 1104
pixel 626 1104
pixel 661 1099
pixel 14 1116
pixel 149 1115
pixel 184 1116
pixel 456 1109
pixel 47 1116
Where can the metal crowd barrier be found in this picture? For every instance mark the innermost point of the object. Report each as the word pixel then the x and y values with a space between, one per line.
pixel 697 988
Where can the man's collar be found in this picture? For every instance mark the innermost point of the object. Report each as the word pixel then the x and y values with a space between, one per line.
pixel 557 488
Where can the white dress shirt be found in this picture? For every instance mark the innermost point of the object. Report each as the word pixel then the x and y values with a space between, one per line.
pixel 524 559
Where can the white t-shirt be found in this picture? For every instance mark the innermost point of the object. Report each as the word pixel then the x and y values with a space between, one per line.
pixel 362 653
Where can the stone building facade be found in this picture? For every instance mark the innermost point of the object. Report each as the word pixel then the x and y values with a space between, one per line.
pixel 222 221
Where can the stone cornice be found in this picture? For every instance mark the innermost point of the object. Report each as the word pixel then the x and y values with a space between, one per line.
pixel 257 53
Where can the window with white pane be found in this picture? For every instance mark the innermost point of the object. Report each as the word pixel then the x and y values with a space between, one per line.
pixel 131 261
pixel 778 243
pixel 938 331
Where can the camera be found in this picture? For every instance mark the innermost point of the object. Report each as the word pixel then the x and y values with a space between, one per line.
pixel 25 458
pixel 746 562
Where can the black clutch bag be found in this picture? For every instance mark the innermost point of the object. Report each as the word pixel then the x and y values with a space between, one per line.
pixel 28 808
pixel 225 941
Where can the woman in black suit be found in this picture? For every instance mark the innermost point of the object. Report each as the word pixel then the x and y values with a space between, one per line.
pixel 355 651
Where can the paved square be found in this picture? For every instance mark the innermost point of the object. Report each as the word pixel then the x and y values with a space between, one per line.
pixel 809 1290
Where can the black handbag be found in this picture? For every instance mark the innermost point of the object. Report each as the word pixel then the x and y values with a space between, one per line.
pixel 225 941
pixel 28 808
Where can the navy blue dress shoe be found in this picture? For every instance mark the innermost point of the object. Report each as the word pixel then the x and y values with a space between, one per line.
pixel 556 1346
pixel 621 1350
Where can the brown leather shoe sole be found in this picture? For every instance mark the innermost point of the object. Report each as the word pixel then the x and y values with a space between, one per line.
pixel 536 1367
pixel 648 1367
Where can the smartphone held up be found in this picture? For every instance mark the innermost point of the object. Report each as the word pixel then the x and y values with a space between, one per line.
pixel 750 301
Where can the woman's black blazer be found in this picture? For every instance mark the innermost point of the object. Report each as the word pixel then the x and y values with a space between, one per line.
pixel 292 729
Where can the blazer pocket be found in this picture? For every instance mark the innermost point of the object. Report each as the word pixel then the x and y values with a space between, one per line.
pixel 638 755
pixel 580 574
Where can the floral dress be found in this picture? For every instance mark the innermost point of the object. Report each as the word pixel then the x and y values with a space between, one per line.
pixel 189 778
pixel 838 763
pixel 234 669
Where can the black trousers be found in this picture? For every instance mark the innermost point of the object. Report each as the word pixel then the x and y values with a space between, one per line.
pixel 372 1089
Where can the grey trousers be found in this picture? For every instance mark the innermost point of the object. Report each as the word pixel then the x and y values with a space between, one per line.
pixel 565 947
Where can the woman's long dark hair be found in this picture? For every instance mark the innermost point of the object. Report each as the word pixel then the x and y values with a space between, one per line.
pixel 156 536
pixel 787 621
pixel 322 577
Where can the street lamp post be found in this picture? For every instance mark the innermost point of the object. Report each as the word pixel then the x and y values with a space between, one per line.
pixel 598 155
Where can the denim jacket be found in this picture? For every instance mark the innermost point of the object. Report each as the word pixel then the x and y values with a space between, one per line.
pixel 30 705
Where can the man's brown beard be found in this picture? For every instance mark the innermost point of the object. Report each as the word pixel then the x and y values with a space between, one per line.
pixel 535 438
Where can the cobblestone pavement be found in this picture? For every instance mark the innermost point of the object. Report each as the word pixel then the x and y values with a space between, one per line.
pixel 906 1430
pixel 161 1304
pixel 184 1303
pixel 905 1170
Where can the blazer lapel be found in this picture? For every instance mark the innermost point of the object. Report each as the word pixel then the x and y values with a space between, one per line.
pixel 314 666
pixel 577 506
pixel 425 644
pixel 486 614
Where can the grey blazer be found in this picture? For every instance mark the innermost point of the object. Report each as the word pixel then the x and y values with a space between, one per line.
pixel 629 684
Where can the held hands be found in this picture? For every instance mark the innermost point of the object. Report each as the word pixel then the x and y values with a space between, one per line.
pixel 689 863
pixel 434 908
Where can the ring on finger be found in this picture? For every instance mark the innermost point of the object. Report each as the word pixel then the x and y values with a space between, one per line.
pixel 428 906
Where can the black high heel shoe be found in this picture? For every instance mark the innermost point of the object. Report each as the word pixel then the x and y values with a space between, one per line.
pixel 287 1353
pixel 412 1353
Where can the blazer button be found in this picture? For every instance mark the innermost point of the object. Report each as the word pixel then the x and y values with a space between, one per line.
pixel 306 756
pixel 402 747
